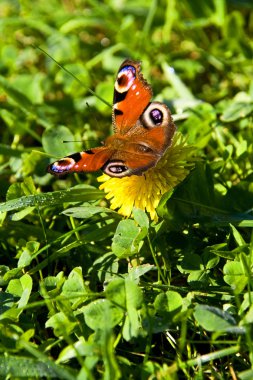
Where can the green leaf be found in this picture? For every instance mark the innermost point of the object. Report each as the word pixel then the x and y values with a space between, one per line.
pixel 6 301
pixel 21 214
pixel 74 287
pixel 209 259
pixel 74 194
pixel 221 251
pixel 3 269
pixel 31 86
pixel 132 325
pixel 81 347
pixel 246 375
pixel 27 254
pixel 141 218
pixel 87 211
pixel 198 278
pixel 102 315
pixel 20 98
pixel 124 293
pixel 169 303
pixel 26 283
pixel 248 318
pixel 136 272
pixel 25 367
pixel 16 190
pixel 237 236
pixel 61 324
pixel 234 275
pixel 126 239
pixel 237 110
pixel 202 116
pixel 21 288
pixel 214 319
pixel 162 209
pixel 191 262
pixel 127 295
pixel 182 90
pixel 53 141
pixel 112 369
pixel 116 292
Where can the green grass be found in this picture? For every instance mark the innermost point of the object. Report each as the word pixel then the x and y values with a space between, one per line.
pixel 174 299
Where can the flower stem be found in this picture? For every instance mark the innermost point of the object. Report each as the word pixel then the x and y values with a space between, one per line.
pixel 155 260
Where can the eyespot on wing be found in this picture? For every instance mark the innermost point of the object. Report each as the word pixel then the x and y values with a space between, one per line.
pixel 87 161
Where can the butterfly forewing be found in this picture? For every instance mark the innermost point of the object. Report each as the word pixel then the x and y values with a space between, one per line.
pixel 132 94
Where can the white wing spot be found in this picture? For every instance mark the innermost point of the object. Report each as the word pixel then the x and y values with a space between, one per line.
pixel 137 93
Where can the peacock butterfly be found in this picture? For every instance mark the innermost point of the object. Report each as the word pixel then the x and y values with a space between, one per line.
pixel 143 131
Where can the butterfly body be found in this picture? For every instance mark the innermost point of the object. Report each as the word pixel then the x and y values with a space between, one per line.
pixel 143 131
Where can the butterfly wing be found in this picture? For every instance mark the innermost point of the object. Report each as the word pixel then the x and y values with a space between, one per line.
pixel 87 161
pixel 144 131
pixel 132 94
pixel 143 146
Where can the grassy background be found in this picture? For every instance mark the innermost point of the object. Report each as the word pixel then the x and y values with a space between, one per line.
pixel 174 301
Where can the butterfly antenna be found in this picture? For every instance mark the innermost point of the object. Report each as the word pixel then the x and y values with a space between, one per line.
pixel 68 141
pixel 81 141
pixel 96 120
pixel 72 75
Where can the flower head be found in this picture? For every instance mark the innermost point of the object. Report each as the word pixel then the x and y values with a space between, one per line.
pixel 145 191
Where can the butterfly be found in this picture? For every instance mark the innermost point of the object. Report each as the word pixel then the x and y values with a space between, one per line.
pixel 143 131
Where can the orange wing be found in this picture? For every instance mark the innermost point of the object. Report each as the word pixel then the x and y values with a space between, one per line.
pixel 144 131
pixel 87 161
pixel 143 146
pixel 132 94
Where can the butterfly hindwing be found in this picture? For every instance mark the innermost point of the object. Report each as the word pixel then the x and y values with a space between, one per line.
pixel 143 146
pixel 86 161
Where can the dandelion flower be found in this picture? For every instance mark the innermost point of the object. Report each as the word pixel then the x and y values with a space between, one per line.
pixel 145 191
